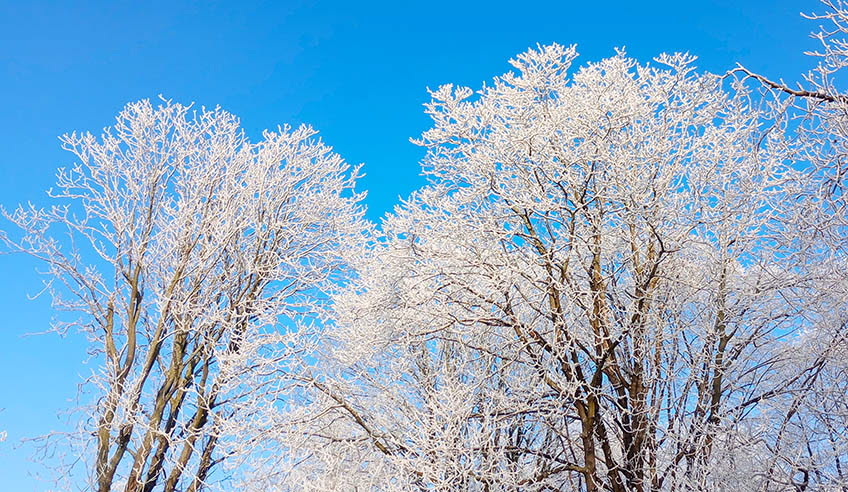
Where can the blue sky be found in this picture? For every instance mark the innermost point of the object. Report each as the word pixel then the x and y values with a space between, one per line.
pixel 356 71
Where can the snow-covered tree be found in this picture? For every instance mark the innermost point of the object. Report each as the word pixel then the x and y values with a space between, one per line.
pixel 608 285
pixel 809 448
pixel 621 277
pixel 193 260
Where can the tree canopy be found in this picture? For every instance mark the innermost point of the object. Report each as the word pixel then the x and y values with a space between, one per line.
pixel 622 276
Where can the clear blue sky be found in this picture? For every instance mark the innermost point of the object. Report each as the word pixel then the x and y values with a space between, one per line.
pixel 356 71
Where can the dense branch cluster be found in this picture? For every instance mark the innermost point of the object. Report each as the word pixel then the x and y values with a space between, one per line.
pixel 607 286
pixel 189 247
pixel 620 277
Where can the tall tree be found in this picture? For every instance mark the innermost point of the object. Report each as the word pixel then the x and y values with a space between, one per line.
pixel 188 254
pixel 808 449
pixel 604 287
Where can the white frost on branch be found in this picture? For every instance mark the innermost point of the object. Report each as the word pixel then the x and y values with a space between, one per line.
pixel 602 288
pixel 197 264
